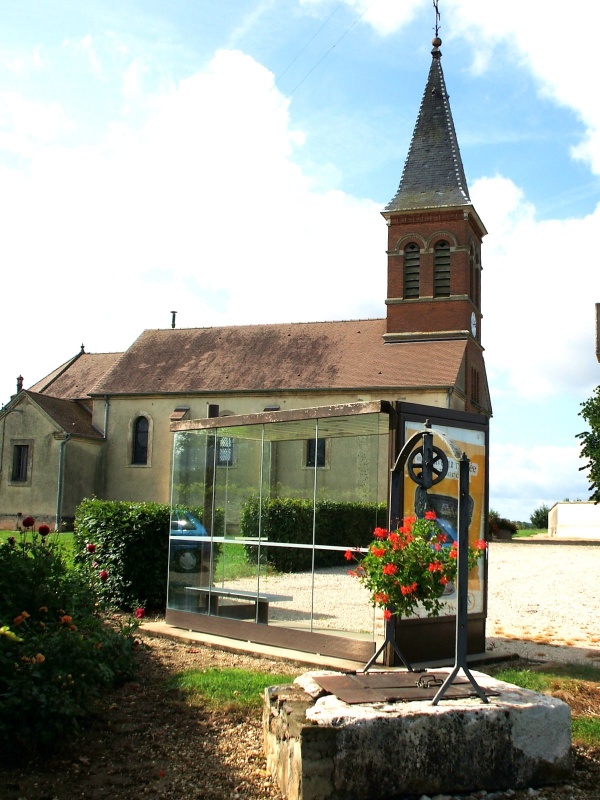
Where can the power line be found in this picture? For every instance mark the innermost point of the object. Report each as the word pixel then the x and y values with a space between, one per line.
pixel 314 36
pixel 333 46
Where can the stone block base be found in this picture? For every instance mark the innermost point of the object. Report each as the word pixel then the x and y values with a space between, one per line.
pixel 320 748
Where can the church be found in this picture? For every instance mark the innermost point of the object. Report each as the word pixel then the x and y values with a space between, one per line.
pixel 100 424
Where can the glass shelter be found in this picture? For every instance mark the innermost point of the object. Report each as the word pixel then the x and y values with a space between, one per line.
pixel 264 508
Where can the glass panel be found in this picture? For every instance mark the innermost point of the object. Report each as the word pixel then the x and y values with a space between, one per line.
pixel 190 562
pixel 286 580
pixel 190 548
pixel 351 493
pixel 244 521
pixel 353 615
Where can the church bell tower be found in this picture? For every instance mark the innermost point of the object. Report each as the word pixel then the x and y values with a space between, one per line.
pixel 434 242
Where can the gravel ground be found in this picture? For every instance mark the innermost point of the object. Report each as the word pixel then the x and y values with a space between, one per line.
pixel 543 600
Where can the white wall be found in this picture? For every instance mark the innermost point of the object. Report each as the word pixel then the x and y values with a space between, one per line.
pixel 574 520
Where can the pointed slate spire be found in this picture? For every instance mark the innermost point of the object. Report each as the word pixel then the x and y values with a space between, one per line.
pixel 433 174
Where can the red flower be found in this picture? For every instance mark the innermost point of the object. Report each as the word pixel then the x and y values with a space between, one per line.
pixel 12 541
pixel 378 551
pixel 140 613
pixel 381 597
pixel 28 522
pixel 104 576
pixel 453 552
pixel 443 580
pixel 387 614
pixel 390 569
pixel 480 544
pixel 410 521
pixel 380 533
pixel 348 555
pixel 441 537
pixel 435 566
pixel 91 547
pixel 410 589
pixel 430 515
pixel 43 530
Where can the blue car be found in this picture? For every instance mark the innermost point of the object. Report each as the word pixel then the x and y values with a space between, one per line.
pixel 189 543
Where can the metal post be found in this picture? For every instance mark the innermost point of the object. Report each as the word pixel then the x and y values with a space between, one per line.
pixel 460 658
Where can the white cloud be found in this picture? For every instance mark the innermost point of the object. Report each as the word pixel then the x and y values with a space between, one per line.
pixel 25 124
pixel 385 16
pixel 541 285
pixel 202 210
pixel 522 479
pixel 556 46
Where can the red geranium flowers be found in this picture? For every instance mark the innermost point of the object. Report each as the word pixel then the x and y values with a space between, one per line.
pixel 407 570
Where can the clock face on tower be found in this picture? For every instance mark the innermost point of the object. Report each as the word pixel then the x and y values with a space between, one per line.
pixel 473 324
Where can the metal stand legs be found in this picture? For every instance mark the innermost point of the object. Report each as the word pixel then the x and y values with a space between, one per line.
pixel 390 639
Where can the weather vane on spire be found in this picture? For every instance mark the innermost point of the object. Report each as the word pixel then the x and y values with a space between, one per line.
pixel 437 18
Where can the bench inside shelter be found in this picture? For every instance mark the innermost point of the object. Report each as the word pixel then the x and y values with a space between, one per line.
pixel 256 607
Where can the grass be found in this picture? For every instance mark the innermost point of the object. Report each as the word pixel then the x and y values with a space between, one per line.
pixel 64 539
pixel 220 688
pixel 565 678
pixel 586 731
pixel 233 563
pixel 525 533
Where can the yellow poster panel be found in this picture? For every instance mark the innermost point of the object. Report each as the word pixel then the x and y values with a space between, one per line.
pixel 443 499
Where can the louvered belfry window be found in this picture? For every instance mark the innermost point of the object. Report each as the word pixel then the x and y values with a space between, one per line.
pixel 411 270
pixel 441 269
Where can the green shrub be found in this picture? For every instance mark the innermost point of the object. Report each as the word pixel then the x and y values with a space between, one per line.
pixel 125 549
pixel 57 654
pixel 539 518
pixel 291 521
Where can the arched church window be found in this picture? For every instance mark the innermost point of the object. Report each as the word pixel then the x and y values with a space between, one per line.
pixel 139 452
pixel 411 270
pixel 441 269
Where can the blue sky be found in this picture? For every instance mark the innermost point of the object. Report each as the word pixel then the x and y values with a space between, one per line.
pixel 209 156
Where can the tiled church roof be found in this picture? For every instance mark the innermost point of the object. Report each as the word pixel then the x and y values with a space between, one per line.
pixel 74 379
pixel 286 357
pixel 70 415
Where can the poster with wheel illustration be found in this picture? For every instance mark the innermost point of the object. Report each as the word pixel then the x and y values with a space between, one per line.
pixel 449 443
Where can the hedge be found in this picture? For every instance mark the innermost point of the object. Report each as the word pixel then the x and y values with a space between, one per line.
pixel 291 521
pixel 130 549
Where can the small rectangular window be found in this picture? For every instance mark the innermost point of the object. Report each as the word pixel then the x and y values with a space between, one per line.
pixel 225 451
pixel 315 452
pixel 20 463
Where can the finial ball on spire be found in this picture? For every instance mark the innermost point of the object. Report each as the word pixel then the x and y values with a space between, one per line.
pixel 436 41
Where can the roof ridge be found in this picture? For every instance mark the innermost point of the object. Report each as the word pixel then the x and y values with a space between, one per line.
pixel 261 325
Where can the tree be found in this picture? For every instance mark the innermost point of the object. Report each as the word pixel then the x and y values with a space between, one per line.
pixel 539 518
pixel 590 449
